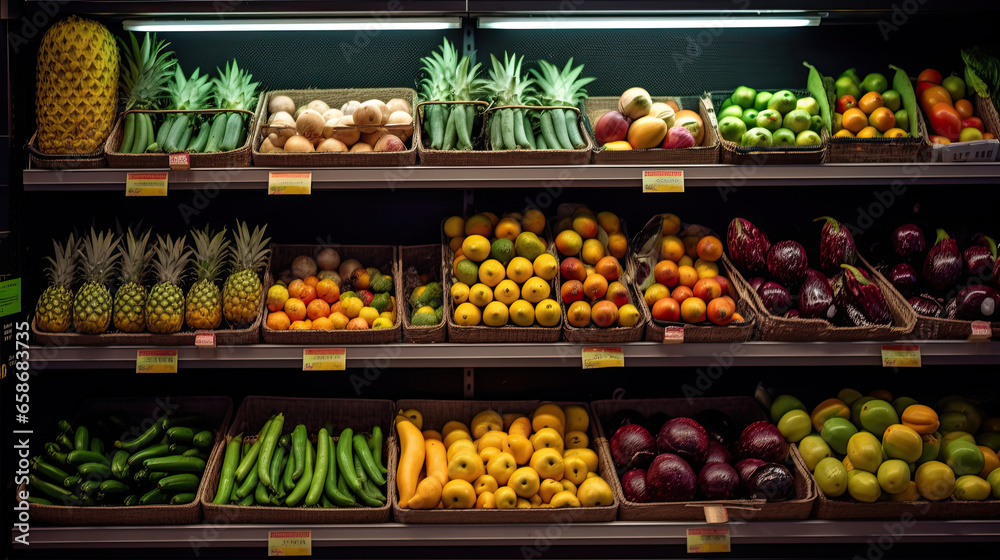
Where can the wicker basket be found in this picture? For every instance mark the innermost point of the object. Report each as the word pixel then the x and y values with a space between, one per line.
pixel 382 257
pixel 733 153
pixel 974 150
pixel 743 411
pixel 436 413
pixel 335 98
pixel 707 152
pixel 482 156
pixel 930 328
pixel 216 410
pixel 357 414
pixel 39 160
pixel 240 157
pixel 424 259
pixel 876 150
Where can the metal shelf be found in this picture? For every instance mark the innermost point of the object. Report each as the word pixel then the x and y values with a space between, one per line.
pixel 632 533
pixel 638 354
pixel 216 8
pixel 663 7
pixel 549 177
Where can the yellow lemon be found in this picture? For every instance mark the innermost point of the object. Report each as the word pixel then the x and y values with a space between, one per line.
pixel 495 314
pixel 522 313
pixel 467 315
pixel 352 307
pixel 592 251
pixel 507 291
pixel 535 290
pixel 546 266
pixel 459 293
pixel 480 295
pixel 369 314
pixel 628 315
pixel 547 313
pixel 491 272
pixel 382 323
pixel 339 320
pixel 476 248
pixel 454 226
pixel 519 269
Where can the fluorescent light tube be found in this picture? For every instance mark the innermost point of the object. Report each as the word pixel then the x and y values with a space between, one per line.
pixel 278 24
pixel 680 22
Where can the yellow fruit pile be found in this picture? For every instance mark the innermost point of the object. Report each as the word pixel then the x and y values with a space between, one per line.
pixel 502 272
pixel 500 461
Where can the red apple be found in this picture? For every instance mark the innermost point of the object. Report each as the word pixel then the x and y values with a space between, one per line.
pixel 573 269
pixel 846 102
pixel 973 122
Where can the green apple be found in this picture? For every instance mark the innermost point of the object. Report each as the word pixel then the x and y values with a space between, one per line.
pixel 797 120
pixel 903 120
pixel 964 457
pixel 808 138
pixel 732 129
pixel 846 86
pixel 757 136
pixel 760 103
pixel 874 82
pixel 968 134
pixel 749 117
pixel 816 124
pixel 782 101
pixel 769 119
pixel 731 111
pixel 892 100
pixel 851 74
pixel 727 103
pixel 783 137
pixel 809 104
pixel 955 86
pixel 744 97
pixel 783 403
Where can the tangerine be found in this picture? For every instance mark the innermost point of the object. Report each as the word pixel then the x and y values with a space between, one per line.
pixel 278 321
pixel 693 310
pixel 709 248
pixel 295 308
pixel 317 308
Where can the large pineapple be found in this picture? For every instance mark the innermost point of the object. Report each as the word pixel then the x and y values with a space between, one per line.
pixel 145 71
pixel 243 291
pixel 165 304
pixel 204 301
pixel 53 310
pixel 130 300
pixel 75 81
pixel 92 305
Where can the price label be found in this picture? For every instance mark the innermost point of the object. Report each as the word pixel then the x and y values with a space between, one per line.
pixel 204 339
pixel 295 182
pixel 289 543
pixel 708 539
pixel 146 184
pixel 180 162
pixel 981 331
pixel 156 361
pixel 603 357
pixel 673 335
pixel 324 359
pixel 901 356
pixel 663 181
pixel 10 297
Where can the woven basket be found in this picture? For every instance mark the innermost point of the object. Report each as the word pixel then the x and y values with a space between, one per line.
pixel 335 98
pixel 240 157
pixel 773 328
pixel 930 328
pixel 743 411
pixel 39 160
pixel 481 156
pixel 216 410
pixel 975 150
pixel 382 257
pixel 425 259
pixel 876 150
pixel 436 413
pixel 357 414
pixel 707 152
pixel 733 153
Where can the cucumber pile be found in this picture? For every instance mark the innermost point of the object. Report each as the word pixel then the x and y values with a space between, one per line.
pixel 298 470
pixel 98 466
pixel 183 132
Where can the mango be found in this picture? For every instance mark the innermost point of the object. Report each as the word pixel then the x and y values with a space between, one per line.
pixel 877 415
pixel 831 477
pixel 921 418
pixel 837 432
pixel 901 442
pixel 964 457
pixel 989 439
pixel 902 403
pixel 994 480
pixel 971 487
pixel 849 395
pixel 813 450
pixel 783 404
pixel 863 486
pixel 931 447
pixel 894 476
pixel 935 480
pixel 856 409
pixel 865 452
pixel 827 409
pixel 908 495
pixel 795 425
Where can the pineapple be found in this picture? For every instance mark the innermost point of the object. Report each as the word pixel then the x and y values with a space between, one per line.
pixel 508 85
pixel 53 310
pixel 234 89
pixel 243 291
pixel 92 305
pixel 145 71
pixel 204 302
pixel 188 94
pixel 130 300
pixel 75 82
pixel 561 88
pixel 165 304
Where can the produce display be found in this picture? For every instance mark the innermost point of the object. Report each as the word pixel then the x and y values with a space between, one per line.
pixel 698 458
pixel 291 468
pixel 764 119
pixel 427 303
pixel 639 123
pixel 875 447
pixel 950 112
pixel 501 270
pixel 868 108
pixel 369 126
pixel 500 461
pixel 95 464
pixel 325 293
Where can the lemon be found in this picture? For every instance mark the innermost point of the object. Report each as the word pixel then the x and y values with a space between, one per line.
pixel 507 291
pixel 491 273
pixel 352 307
pixel 547 313
pixel 535 290
pixel 454 226
pixel 592 251
pixel 480 295
pixel 369 314
pixel 831 476
pixel 467 315
pixel 863 486
pixel 339 320
pixel 495 314
pixel 476 248
pixel 546 266
pixel 522 313
pixel 459 293
pixel 628 315
pixel 519 270
pixel 382 323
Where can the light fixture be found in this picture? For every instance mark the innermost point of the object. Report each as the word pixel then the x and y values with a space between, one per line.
pixel 278 24
pixel 724 21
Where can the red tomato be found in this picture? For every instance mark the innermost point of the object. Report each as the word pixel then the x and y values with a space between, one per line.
pixel 934 95
pixel 973 122
pixel 930 75
pixel 922 87
pixel 988 136
pixel 846 102
pixel 964 108
pixel 945 121
pixel 938 139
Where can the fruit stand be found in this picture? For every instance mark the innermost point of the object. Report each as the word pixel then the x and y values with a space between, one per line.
pixel 511 323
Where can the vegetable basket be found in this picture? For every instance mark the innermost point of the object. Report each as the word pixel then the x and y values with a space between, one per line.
pixel 733 153
pixel 237 157
pixel 422 259
pixel 39 160
pixel 973 150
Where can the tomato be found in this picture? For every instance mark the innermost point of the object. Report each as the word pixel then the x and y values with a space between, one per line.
pixel 846 102
pixel 930 75
pixel 934 95
pixel 988 136
pixel 945 121
pixel 938 139
pixel 922 87
pixel 964 108
pixel 972 122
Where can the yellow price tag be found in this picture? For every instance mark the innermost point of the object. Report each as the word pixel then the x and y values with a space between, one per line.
pixel 663 181
pixel 146 184
pixel 289 543
pixel 715 539
pixel 156 361
pixel 324 359
pixel 902 355
pixel 603 357
pixel 295 182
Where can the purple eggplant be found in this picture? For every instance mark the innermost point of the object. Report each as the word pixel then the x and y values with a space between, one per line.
pixel 908 240
pixel 977 303
pixel 979 260
pixel 943 264
pixel 950 309
pixel 787 262
pixel 755 283
pixel 926 306
pixel 836 246
pixel 815 295
pixel 775 297
pixel 904 278
pixel 866 295
pixel 747 246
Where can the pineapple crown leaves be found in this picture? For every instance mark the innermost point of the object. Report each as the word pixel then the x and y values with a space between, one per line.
pixel 145 71
pixel 135 256
pixel 189 93
pixel 467 86
pixel 509 86
pixel 170 259
pixel 561 87
pixel 234 88
pixel 439 69
pixel 98 255
pixel 62 268
pixel 250 250
pixel 209 248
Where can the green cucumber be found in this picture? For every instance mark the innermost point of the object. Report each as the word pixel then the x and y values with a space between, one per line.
pixel 147 438
pixel 141 141
pixel 229 463
pixel 201 140
pixel 319 473
pixel 217 131
pixel 302 486
pixel 299 439
pixel 182 144
pixel 364 455
pixel 177 129
pixel 234 130
pixel 129 137
pixel 184 482
pixel 331 490
pixel 50 472
pixel 249 460
pixel 159 450
pixel 375 444
pixel 175 463
pixel 182 498
pixel 164 130
pixel 267 450
pixel 81 456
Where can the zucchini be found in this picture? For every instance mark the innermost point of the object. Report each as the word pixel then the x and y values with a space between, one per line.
pixel 71 481
pixel 39 501
pixel 203 439
pixel 136 459
pixel 97 445
pixel 147 438
pixel 185 482
pixel 80 456
pixel 182 498
pixel 217 132
pixel 82 438
pixel 64 426
pixel 175 463
pixel 99 470
pixel 131 500
pixel 50 472
pixel 194 452
pixel 65 442
pixel 178 448
pixel 119 464
pixel 129 136
pixel 155 477
pixel 154 496
pixel 180 434
pixel 114 487
pixel 234 130
pixel 89 487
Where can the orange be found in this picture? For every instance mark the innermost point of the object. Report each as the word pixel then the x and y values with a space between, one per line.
pixel 706 269
pixel 508 228
pixel 855 119
pixel 617 245
pixel 299 326
pixel 895 133
pixel 869 132
pixel 357 324
pixel 707 289
pixel 693 310
pixel 691 246
pixel 609 268
pixel 595 286
pixel 578 314
pixel 870 101
pixel 295 288
pixel 720 311
pixel 688 276
pixel 308 294
pixel 278 321
pixel 709 248
pixel 671 248
pixel 666 273
pixel 295 309
pixel 670 224
pixel 844 133
pixel 322 323
pixel 571 290
pixel 964 108
pixel 681 293
pixel 655 293
pixel 339 320
pixel 882 118
pixel 317 308
pixel 311 281
pixel 455 243
pixel 327 291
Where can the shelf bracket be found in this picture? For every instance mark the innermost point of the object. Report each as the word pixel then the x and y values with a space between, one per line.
pixel 469 383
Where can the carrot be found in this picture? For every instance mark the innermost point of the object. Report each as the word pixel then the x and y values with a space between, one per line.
pixel 411 460
pixel 437 460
